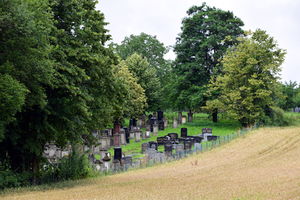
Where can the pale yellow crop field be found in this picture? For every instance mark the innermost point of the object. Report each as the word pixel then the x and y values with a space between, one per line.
pixel 263 165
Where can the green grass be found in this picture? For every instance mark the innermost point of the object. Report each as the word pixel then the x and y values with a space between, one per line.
pixel 201 120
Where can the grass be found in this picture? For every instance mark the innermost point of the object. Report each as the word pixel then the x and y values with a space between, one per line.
pixel 261 165
pixel 201 120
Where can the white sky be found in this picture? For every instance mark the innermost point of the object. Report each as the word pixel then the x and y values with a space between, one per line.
pixel 280 18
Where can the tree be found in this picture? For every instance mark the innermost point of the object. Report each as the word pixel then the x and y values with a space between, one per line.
pixel 148 47
pixel 290 91
pixel 249 85
pixel 58 53
pixel 26 71
pixel 206 34
pixel 146 77
pixel 132 99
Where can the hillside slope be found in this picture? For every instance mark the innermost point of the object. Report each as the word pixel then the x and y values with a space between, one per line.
pixel 265 164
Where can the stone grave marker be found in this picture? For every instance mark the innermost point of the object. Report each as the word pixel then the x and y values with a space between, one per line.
pixel 183 132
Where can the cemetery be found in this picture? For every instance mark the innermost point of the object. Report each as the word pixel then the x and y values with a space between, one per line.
pixel 112 153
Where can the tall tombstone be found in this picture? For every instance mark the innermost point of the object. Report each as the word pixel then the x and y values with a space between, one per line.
pixel 183 132
pixel 132 123
pixel 179 117
pixel 127 135
pixel 160 115
pixel 175 123
pixel 155 129
pixel 117 127
pixel 123 137
pixel 117 140
pixel 106 162
pixel 137 135
pixel 190 117
pixel 166 122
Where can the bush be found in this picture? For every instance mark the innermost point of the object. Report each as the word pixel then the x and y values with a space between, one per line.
pixel 10 179
pixel 277 117
pixel 74 167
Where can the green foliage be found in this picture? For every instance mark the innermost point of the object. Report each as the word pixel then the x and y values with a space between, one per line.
pixel 132 100
pixel 249 86
pixel 207 32
pixel 148 47
pixel 146 77
pixel 291 95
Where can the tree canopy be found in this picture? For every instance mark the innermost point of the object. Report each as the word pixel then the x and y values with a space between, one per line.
pixel 206 34
pixel 249 86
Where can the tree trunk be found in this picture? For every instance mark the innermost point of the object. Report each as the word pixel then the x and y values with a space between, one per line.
pixel 215 115
pixel 35 170
pixel 190 116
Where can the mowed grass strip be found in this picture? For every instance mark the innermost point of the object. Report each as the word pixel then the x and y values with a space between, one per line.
pixel 264 164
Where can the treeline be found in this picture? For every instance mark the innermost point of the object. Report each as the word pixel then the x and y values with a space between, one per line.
pixel 61 77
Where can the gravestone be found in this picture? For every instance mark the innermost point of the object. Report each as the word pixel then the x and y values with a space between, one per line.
pixel 175 123
pixel 137 135
pixel 145 146
pixel 153 145
pixel 147 134
pixel 127 160
pixel 132 133
pixel 168 149
pixel 161 125
pixel 117 127
pixel 183 119
pixel 188 145
pixel 179 117
pixel 127 135
pixel 183 132
pixel 116 165
pixel 132 123
pixel 106 162
pixel 205 133
pixel 173 136
pixel 160 115
pixel 123 137
pixel 155 129
pixel 118 153
pixel 165 122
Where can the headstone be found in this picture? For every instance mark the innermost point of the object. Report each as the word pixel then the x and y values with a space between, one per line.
pixel 127 160
pixel 123 137
pixel 116 165
pixel 127 135
pixel 190 117
pixel 165 122
pixel 160 115
pixel 132 134
pixel 183 132
pixel 132 123
pixel 104 142
pixel 183 119
pixel 155 129
pixel 118 153
pixel 153 145
pixel 161 125
pixel 175 123
pixel 173 136
pixel 179 117
pixel 168 149
pixel 147 134
pixel 145 146
pixel 137 135
pixel 106 161
pixel 179 149
pixel 187 145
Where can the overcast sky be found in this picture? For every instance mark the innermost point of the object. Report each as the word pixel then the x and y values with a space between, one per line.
pixel 280 18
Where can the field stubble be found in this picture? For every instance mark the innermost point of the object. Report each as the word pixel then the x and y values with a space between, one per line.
pixel 264 164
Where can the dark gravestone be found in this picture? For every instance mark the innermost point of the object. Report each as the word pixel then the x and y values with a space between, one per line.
pixel 173 136
pixel 161 140
pixel 160 115
pixel 153 145
pixel 161 125
pixel 168 149
pixel 183 132
pixel 188 145
pixel 127 135
pixel 118 153
pixel 132 123
pixel 212 137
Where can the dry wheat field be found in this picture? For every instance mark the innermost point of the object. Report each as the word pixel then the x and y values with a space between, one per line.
pixel 265 164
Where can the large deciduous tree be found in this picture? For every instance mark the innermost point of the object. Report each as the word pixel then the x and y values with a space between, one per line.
pixel 206 34
pixel 146 77
pixel 148 47
pixel 249 86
